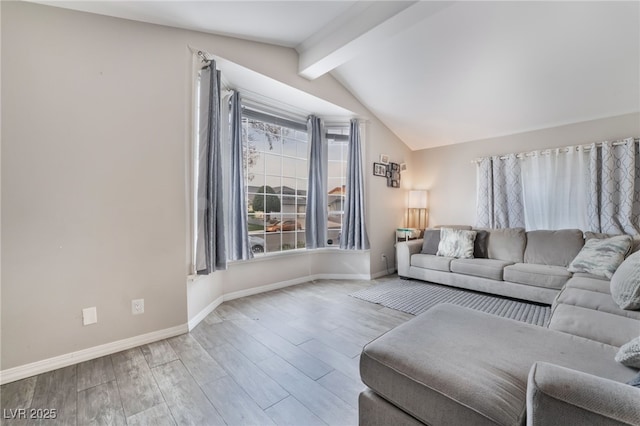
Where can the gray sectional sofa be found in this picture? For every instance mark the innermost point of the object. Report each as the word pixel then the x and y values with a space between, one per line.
pixel 456 366
pixel 524 265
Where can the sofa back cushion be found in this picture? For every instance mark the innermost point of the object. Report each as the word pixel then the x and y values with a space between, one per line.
pixel 507 244
pixel 557 248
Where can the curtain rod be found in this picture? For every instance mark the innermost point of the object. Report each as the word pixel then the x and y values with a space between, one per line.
pixel 204 56
pixel 563 150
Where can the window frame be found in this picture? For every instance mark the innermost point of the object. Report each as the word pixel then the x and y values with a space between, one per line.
pixel 337 131
pixel 285 239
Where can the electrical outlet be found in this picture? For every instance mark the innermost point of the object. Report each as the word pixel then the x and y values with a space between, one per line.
pixel 137 306
pixel 383 257
pixel 89 316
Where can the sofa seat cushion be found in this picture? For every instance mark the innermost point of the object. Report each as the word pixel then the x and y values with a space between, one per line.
pixel 443 367
pixel 546 276
pixel 588 275
pixel 485 268
pixel 596 301
pixel 589 282
pixel 431 261
pixel 599 326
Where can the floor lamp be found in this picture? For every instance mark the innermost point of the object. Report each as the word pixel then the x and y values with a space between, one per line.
pixel 417 207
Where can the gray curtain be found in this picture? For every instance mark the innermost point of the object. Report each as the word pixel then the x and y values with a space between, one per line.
pixel 354 232
pixel 614 191
pixel 499 199
pixel 316 210
pixel 238 231
pixel 210 238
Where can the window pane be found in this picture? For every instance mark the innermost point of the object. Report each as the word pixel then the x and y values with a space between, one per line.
pixel 255 136
pixel 256 222
pixel 255 181
pixel 288 166
pixel 275 141
pixel 302 149
pixel 273 164
pixel 288 241
pixel 336 172
pixel 289 147
pixel 275 160
pixel 254 161
pixel 333 237
pixel 302 170
pixel 273 181
pixel 336 151
pixel 334 185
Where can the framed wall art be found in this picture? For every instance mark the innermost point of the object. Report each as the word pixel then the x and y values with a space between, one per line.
pixel 379 169
pixel 393 175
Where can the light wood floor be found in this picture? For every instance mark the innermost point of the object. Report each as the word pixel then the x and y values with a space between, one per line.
pixel 286 357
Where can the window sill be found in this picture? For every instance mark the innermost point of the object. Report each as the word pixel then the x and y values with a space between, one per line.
pixel 287 253
pixel 282 255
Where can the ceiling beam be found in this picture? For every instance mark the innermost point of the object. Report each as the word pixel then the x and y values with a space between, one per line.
pixel 363 27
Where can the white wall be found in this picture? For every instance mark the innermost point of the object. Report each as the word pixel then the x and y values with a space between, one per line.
pixel 95 180
pixel 450 176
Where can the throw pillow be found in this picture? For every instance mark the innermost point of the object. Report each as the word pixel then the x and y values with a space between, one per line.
pixel 635 382
pixel 601 257
pixel 456 243
pixel 629 353
pixel 625 283
pixel 635 243
pixel 480 246
pixel 430 241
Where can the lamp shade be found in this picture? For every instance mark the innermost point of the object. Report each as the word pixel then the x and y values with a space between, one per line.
pixel 418 199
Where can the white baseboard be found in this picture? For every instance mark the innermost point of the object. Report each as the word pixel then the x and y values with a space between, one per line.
pixel 39 367
pixel 282 284
pixel 193 322
pixel 49 364
pixel 381 274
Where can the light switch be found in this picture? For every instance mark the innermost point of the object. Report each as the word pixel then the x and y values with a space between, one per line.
pixel 89 316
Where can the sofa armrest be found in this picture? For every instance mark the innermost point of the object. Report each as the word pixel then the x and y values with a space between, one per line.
pixel 404 250
pixel 558 395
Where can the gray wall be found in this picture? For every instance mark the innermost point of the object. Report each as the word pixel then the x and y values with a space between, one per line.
pixel 450 176
pixel 96 133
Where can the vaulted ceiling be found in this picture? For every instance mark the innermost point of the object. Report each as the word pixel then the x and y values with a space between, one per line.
pixel 439 73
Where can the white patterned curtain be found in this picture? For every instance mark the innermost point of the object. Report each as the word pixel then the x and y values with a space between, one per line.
pixel 555 187
pixel 561 188
pixel 499 202
pixel 614 192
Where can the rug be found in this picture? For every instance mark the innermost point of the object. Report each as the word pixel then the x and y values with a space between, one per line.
pixel 415 297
